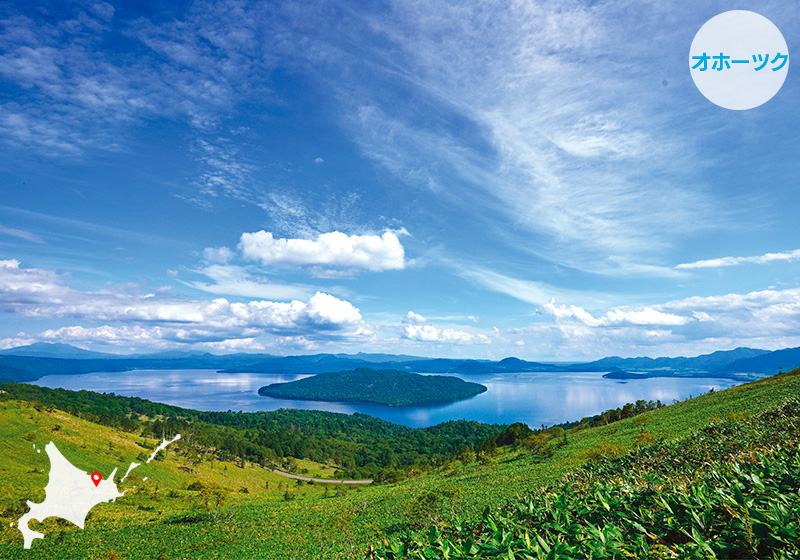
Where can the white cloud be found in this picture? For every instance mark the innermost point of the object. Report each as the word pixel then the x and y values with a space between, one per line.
pixel 217 254
pixel 300 214
pixel 415 319
pixel 224 172
pixel 21 234
pixel 127 334
pixel 40 293
pixel 644 316
pixel 237 281
pixel 732 261
pixel 767 319
pixel 559 139
pixel 12 342
pixel 617 266
pixel 149 337
pixel 417 328
pixel 620 316
pixel 233 345
pixel 524 290
pixel 334 249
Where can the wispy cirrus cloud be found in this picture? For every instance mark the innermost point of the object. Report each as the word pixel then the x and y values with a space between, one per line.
pixel 86 228
pixel 21 234
pixel 72 87
pixel 222 172
pixel 499 120
pixel 766 258
pixel 297 215
pixel 546 150
pixel 235 280
pixel 529 291
pixel 82 98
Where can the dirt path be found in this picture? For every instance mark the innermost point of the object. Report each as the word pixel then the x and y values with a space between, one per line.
pixel 324 480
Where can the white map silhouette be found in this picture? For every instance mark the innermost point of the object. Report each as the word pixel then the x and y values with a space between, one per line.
pixel 70 492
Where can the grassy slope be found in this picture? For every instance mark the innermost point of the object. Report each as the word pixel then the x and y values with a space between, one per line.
pixel 261 525
pixel 728 490
pixel 23 476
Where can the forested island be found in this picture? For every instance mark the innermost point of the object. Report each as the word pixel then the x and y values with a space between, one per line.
pixel 386 386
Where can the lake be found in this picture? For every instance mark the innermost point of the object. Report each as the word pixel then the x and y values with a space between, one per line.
pixel 532 397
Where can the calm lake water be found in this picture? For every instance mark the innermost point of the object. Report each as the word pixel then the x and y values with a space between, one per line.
pixel 532 397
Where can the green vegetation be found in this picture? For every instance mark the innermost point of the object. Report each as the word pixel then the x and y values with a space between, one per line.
pixel 361 446
pixel 728 491
pixel 661 451
pixel 629 410
pixel 386 386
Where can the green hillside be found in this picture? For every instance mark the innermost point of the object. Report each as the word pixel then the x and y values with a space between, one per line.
pixel 361 446
pixel 386 386
pixel 163 518
pixel 729 490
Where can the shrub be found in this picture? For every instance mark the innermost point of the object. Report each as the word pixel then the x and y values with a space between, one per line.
pixel 645 438
pixel 603 451
pixel 538 445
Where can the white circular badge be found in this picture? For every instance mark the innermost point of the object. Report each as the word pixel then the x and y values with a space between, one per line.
pixel 739 60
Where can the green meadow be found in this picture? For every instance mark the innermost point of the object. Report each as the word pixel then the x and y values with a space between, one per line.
pixel 194 505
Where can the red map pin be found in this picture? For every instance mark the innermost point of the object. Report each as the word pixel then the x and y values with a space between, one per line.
pixel 96 478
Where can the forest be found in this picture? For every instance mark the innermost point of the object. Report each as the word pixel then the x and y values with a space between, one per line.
pixel 386 386
pixel 360 446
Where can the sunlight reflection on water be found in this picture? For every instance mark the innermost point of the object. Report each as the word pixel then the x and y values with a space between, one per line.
pixel 534 398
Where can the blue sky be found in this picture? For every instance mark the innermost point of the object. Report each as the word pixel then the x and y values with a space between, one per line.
pixel 538 179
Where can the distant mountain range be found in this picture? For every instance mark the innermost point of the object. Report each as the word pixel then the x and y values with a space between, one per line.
pixel 28 363
pixel 54 350
pixel 715 361
pixel 769 362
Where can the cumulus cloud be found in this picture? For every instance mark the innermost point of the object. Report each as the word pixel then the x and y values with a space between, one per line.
pixel 334 249
pixel 41 293
pixel 12 342
pixel 767 319
pixel 217 254
pixel 733 261
pixel 151 337
pixel 415 319
pixel 619 316
pixel 233 345
pixel 417 328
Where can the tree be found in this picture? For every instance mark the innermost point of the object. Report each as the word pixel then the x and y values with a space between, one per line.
pixel 214 497
pixel 538 445
pixel 466 456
